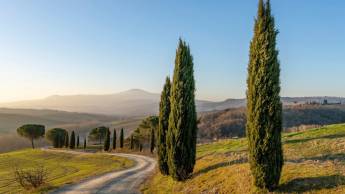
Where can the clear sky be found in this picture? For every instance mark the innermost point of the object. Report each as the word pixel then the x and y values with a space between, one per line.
pixel 96 47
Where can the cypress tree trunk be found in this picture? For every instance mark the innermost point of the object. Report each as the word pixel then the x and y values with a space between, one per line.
pixel 264 109
pixel 121 138
pixel 182 128
pixel 164 111
pixel 72 143
pixel 114 140
pixel 107 141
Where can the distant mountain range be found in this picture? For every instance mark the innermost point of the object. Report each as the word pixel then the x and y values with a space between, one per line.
pixel 137 102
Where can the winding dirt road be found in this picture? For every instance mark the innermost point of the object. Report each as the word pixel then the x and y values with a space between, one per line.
pixel 120 182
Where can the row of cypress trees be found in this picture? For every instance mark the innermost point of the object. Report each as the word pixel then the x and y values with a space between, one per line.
pixel 106 146
pixel 73 142
pixel 177 115
pixel 177 119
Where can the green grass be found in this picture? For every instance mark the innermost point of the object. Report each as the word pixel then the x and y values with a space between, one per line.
pixel 63 168
pixel 314 163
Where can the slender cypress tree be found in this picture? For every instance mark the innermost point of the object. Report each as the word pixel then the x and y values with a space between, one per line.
pixel 264 109
pixel 66 140
pixel 84 143
pixel 152 141
pixel 114 140
pixel 182 130
pixel 72 142
pixel 132 142
pixel 164 111
pixel 121 138
pixel 107 141
pixel 78 141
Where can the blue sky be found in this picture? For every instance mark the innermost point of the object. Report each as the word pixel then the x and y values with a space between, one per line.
pixel 96 47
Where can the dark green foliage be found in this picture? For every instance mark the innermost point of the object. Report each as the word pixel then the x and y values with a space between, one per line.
pixel 132 142
pixel 164 111
pixel 114 140
pixel 72 142
pixel 32 132
pixel 264 109
pixel 84 143
pixel 140 147
pixel 98 134
pixel 78 141
pixel 152 141
pixel 56 136
pixel 122 136
pixel 107 141
pixel 66 140
pixel 182 130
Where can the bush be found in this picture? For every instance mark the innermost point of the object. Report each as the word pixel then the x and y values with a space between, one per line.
pixel 31 178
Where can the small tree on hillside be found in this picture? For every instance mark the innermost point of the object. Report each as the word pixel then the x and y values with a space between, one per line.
pixel 152 141
pixel 78 141
pixel 98 134
pixel 72 142
pixel 122 136
pixel 114 140
pixel 31 132
pixel 66 140
pixel 56 136
pixel 107 141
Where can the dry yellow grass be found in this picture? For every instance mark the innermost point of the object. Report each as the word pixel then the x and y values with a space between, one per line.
pixel 314 163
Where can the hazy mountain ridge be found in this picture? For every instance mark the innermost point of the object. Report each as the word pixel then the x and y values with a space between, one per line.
pixel 137 102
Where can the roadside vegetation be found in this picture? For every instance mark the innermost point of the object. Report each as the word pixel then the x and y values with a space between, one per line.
pixel 314 163
pixel 61 168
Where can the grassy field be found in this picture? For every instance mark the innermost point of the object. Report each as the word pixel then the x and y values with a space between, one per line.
pixel 314 163
pixel 63 168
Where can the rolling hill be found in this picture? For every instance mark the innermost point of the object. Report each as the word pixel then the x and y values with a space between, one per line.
pixel 136 102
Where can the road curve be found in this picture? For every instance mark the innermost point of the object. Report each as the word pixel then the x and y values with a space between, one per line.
pixel 120 182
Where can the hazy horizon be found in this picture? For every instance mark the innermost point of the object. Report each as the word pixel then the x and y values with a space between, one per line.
pixel 105 47
pixel 152 92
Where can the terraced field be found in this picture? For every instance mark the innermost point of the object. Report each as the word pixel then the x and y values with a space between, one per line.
pixel 314 163
pixel 62 168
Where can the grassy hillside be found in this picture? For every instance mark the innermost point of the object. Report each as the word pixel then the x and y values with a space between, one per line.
pixel 314 163
pixel 63 168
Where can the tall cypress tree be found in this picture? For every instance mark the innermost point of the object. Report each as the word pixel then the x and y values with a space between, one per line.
pixel 132 142
pixel 182 128
pixel 84 143
pixel 152 141
pixel 66 140
pixel 107 141
pixel 164 111
pixel 72 142
pixel 78 141
pixel 121 138
pixel 114 140
pixel 264 109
